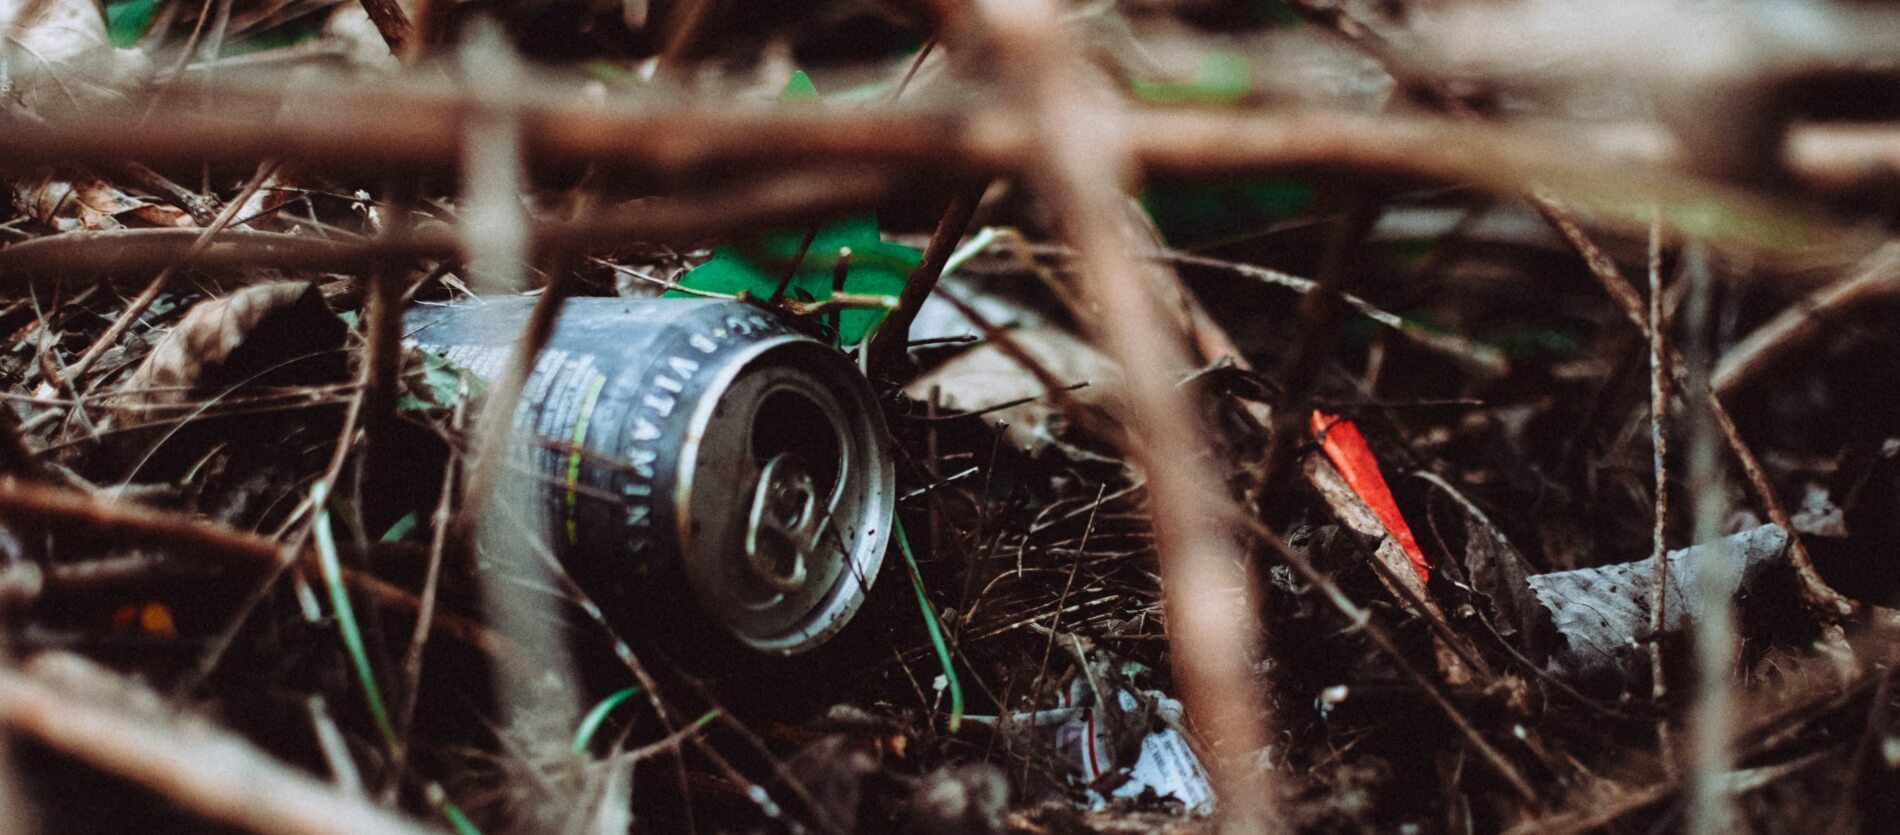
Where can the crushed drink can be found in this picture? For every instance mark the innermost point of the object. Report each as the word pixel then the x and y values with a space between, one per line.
pixel 698 458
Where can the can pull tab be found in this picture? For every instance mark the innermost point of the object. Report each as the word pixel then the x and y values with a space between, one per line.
pixel 779 528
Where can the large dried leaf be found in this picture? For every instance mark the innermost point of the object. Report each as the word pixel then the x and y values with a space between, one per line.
pixel 230 340
pixel 56 55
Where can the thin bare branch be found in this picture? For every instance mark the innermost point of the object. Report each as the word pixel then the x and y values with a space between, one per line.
pixel 1659 452
pixel 319 126
pixel 1784 336
pixel 37 506
pixel 887 347
pixel 1711 725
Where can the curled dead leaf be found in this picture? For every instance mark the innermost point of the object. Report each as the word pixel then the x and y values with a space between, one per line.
pixel 230 340
pixel 1501 577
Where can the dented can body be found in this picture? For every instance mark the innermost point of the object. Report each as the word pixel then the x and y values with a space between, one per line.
pixel 695 459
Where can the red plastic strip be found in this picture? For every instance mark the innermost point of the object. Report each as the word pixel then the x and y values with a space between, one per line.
pixel 1347 449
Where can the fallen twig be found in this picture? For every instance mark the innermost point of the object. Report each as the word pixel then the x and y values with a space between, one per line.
pixel 69 705
pixel 1659 449
pixel 886 351
pixel 39 506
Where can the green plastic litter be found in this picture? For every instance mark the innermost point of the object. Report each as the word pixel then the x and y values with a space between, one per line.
pixel 877 268
pixel 1222 78
pixel 127 22
pixel 798 88
pixel 1194 213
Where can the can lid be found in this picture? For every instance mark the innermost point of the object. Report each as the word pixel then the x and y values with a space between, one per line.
pixel 785 495
pixel 783 527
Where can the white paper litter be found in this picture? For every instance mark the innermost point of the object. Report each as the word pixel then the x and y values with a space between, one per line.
pixel 1164 762
pixel 1170 767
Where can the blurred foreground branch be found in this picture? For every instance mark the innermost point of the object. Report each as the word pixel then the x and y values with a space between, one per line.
pixel 803 195
pixel 1609 165
pixel 1081 166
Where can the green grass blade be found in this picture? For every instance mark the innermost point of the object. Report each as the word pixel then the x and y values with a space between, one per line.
pixel 590 724
pixel 458 821
pixel 935 628
pixel 403 528
pixel 346 615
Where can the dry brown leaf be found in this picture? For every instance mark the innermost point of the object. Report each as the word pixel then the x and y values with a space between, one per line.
pixel 1501 576
pixel 984 377
pixel 260 212
pixel 55 55
pixel 91 203
pixel 226 340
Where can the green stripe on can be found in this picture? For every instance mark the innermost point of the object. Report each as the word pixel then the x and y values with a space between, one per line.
pixel 574 458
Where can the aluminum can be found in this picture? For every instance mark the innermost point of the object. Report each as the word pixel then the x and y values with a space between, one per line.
pixel 696 458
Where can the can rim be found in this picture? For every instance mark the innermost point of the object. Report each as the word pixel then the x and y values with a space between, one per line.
pixel 871 469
